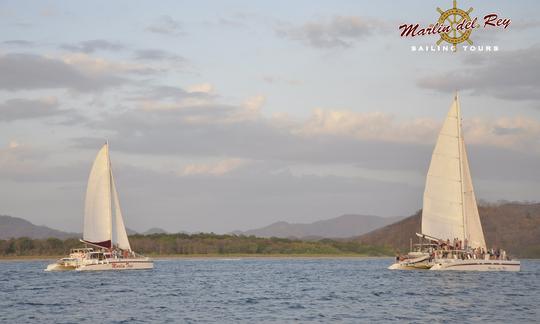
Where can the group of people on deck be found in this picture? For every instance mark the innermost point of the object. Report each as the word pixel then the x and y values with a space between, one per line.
pixel 460 249
pixel 124 254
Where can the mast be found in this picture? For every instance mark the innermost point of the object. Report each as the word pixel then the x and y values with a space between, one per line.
pixel 460 141
pixel 109 187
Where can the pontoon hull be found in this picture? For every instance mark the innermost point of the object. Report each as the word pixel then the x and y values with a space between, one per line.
pixel 475 265
pixel 129 264
pixel 419 263
pixel 460 265
pixel 59 267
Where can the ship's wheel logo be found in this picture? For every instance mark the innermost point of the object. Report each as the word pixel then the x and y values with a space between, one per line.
pixel 453 17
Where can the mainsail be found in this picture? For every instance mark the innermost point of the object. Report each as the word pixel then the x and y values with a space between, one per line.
pixel 101 194
pixel 97 210
pixel 450 209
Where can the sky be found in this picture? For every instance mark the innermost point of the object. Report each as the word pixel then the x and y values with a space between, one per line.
pixel 231 115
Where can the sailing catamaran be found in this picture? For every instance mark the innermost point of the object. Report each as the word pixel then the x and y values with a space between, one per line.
pixel 450 212
pixel 109 250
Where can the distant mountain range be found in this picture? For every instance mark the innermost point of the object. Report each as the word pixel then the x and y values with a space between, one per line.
pixel 13 227
pixel 154 230
pixel 339 227
pixel 514 227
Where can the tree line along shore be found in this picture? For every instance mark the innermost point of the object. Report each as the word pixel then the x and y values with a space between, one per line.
pixel 200 245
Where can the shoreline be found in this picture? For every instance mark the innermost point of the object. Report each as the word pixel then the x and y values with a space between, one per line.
pixel 214 256
pixel 225 257
pixel 267 256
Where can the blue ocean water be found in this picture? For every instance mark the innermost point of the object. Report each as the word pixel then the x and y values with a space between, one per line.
pixel 267 290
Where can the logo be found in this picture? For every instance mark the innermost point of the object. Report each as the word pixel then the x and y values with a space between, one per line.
pixel 455 27
pixel 459 21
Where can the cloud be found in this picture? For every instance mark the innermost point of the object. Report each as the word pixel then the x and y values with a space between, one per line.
pixel 15 109
pixel 214 169
pixel 203 127
pixel 13 144
pixel 338 32
pixel 166 25
pixel 516 133
pixel 526 24
pixel 28 71
pixel 165 97
pixel 91 46
pixel 200 88
pixel 22 162
pixel 373 126
pixel 157 55
pixel 98 66
pixel 276 79
pixel 19 43
pixel 165 92
pixel 254 104
pixel 510 75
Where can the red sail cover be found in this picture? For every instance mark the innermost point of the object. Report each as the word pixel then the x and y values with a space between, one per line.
pixel 104 244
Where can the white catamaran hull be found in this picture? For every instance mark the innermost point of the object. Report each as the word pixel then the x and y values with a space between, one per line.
pixel 475 265
pixel 128 264
pixel 459 265
pixel 59 267
pixel 420 262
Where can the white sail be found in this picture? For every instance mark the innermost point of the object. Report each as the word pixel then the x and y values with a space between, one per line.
pixel 473 227
pixel 121 234
pixel 97 209
pixel 442 214
pixel 450 209
pixel 101 198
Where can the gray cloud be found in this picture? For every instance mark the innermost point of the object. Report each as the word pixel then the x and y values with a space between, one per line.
pixel 166 25
pixel 28 71
pixel 167 93
pixel 511 75
pixel 157 55
pixel 271 79
pixel 340 31
pixel 507 130
pixel 15 109
pixel 263 190
pixel 526 24
pixel 91 46
pixel 216 130
pixel 19 43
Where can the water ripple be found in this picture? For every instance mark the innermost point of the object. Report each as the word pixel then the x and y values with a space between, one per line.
pixel 267 290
